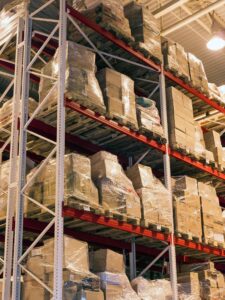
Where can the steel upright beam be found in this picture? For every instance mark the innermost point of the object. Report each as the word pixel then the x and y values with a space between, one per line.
pixel 167 176
pixel 59 221
pixel 18 241
pixel 12 190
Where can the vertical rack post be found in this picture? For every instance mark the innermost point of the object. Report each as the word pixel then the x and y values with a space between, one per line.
pixel 167 176
pixel 59 223
pixel 12 190
pixel 18 240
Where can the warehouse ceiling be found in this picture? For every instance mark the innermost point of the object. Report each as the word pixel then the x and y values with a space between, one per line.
pixel 196 34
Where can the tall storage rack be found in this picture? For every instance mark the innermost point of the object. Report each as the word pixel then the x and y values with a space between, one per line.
pixel 32 41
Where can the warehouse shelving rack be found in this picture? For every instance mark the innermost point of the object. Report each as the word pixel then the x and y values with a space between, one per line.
pixel 64 217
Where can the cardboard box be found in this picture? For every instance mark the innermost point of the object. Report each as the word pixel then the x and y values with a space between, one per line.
pixel 140 175
pixel 212 140
pixel 184 184
pixel 89 295
pixel 189 283
pixel 105 260
pixel 33 290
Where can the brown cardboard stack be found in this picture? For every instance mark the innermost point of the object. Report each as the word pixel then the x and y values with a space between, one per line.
pixel 80 82
pixel 119 96
pixel 213 144
pixel 176 59
pixel 78 185
pixel 152 289
pixel 189 286
pixel 148 116
pixel 180 120
pixel 214 92
pixel 212 219
pixel 108 14
pixel 109 266
pixel 153 195
pixel 187 210
pixel 145 28
pixel 197 73
pixel 200 147
pixel 76 274
pixel 212 284
pixel 4 184
pixel 116 191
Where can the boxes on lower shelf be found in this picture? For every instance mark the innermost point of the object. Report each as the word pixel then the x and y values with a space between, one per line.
pixel 116 192
pixel 153 196
pixel 78 185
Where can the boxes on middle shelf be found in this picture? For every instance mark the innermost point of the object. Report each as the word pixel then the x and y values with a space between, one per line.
pixel 145 29
pixel 148 116
pixel 153 196
pixel 119 96
pixel 81 84
pixel 78 185
pixel 116 192
pixel 212 218
pixel 187 207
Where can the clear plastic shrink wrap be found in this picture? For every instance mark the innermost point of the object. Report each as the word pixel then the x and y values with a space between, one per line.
pixel 175 58
pixel 213 144
pixel 78 185
pixel 187 209
pixel 4 183
pixel 222 92
pixel 152 289
pixel 148 115
pixel 107 13
pixel 214 92
pixel 199 146
pixel 76 274
pixel 80 82
pixel 116 191
pixel 188 286
pixel 197 73
pixel 212 218
pixel 153 196
pixel 144 28
pixel 119 96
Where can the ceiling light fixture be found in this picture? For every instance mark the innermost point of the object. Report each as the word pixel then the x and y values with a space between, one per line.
pixel 217 42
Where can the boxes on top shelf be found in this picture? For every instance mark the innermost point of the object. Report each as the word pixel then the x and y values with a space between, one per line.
pixel 145 29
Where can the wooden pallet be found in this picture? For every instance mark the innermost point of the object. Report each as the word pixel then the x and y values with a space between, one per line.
pixel 178 74
pixel 188 236
pixel 155 227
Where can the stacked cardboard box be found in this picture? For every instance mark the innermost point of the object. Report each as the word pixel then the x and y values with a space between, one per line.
pixel 180 120
pixel 78 185
pixel 200 147
pixel 197 73
pixel 116 191
pixel 119 96
pixel 211 281
pixel 80 81
pixel 214 92
pixel 189 286
pixel 213 144
pixel 152 289
pixel 153 195
pixel 4 184
pixel 108 14
pixel 110 268
pixel 187 209
pixel 148 116
pixel 76 274
pixel 176 59
pixel 212 219
pixel 145 28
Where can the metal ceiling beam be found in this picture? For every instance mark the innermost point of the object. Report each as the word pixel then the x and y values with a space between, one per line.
pixel 168 7
pixel 192 17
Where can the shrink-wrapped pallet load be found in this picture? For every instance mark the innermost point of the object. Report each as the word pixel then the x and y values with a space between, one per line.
pixel 153 195
pixel 214 92
pixel 213 144
pixel 197 74
pixel 81 84
pixel 76 274
pixel 109 14
pixel 119 96
pixel 116 192
pixel 148 116
pixel 212 218
pixel 145 29
pixel 152 289
pixel 78 185
pixel 188 286
pixel 180 120
pixel 176 59
pixel 187 209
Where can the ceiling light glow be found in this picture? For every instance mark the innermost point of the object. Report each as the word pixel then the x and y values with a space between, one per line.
pixel 216 43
